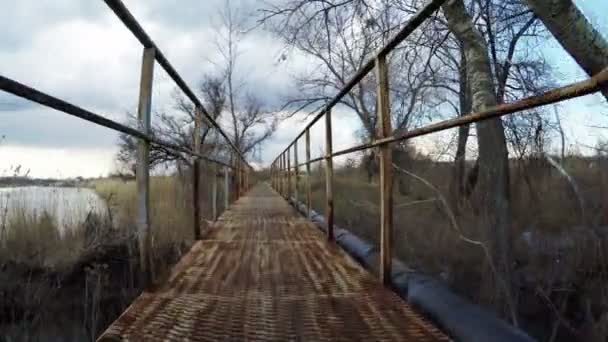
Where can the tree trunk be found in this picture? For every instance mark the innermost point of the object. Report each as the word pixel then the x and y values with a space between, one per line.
pixel 575 34
pixel 492 192
pixel 457 183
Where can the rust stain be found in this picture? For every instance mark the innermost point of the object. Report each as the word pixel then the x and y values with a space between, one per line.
pixel 266 273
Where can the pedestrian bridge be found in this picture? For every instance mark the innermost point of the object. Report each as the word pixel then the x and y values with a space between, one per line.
pixel 264 272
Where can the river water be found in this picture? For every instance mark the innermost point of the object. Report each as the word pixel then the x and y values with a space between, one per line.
pixel 68 205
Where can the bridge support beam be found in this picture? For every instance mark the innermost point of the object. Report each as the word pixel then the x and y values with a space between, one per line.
pixel 196 173
pixel 283 176
pixel 142 174
pixel 241 179
pixel 237 178
pixel 226 188
pixel 329 177
pixel 289 192
pixel 296 169
pixel 308 175
pixel 383 129
pixel 214 191
pixel 272 175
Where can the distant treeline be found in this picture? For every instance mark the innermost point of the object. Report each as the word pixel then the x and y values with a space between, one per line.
pixel 27 181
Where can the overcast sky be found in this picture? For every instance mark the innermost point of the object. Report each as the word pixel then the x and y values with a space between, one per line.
pixel 79 51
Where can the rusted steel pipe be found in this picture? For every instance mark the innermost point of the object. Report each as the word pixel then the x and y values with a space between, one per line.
pixel 296 168
pixel 415 22
pixel 196 172
pixel 34 95
pixel 308 175
pixel 226 188
pixel 121 11
pixel 289 192
pixel 329 179
pixel 142 176
pixel 214 192
pixel 383 129
pixel 573 90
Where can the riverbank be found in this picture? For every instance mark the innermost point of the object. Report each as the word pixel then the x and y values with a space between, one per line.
pixel 19 181
pixel 53 286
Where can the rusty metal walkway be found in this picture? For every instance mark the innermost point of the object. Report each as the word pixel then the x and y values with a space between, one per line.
pixel 266 273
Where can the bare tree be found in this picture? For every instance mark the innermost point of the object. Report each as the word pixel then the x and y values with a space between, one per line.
pixel 226 99
pixel 339 37
pixel 174 129
pixel 493 194
pixel 511 32
pixel 574 32
pixel 250 124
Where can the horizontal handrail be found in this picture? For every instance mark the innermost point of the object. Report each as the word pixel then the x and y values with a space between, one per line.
pixel 34 95
pixel 282 169
pixel 577 89
pixel 238 166
pixel 121 11
pixel 368 66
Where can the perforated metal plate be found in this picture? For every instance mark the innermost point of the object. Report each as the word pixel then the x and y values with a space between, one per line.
pixel 266 274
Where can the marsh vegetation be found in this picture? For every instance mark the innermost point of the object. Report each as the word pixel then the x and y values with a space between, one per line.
pixel 560 236
pixel 69 259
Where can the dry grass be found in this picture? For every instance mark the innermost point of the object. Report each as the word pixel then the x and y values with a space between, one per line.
pixel 170 207
pixel 70 286
pixel 564 264
pixel 34 240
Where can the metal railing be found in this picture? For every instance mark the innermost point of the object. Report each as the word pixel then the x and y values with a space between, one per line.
pixel 238 169
pixel 282 168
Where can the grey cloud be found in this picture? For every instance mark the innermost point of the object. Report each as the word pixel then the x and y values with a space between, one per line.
pixel 191 13
pixel 20 20
pixel 10 103
pixel 45 128
pixel 78 51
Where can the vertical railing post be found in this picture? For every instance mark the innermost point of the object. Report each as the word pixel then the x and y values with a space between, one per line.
pixel 143 167
pixel 241 166
pixel 214 192
pixel 196 172
pixel 383 129
pixel 237 176
pixel 243 175
pixel 240 178
pixel 226 188
pixel 288 173
pixel 243 189
pixel 296 170
pixel 329 178
pixel 272 176
pixel 308 175
pixel 282 173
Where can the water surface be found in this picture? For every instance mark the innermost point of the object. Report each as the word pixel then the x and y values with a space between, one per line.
pixel 68 205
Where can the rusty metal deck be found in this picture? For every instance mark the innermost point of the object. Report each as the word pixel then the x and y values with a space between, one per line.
pixel 266 273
